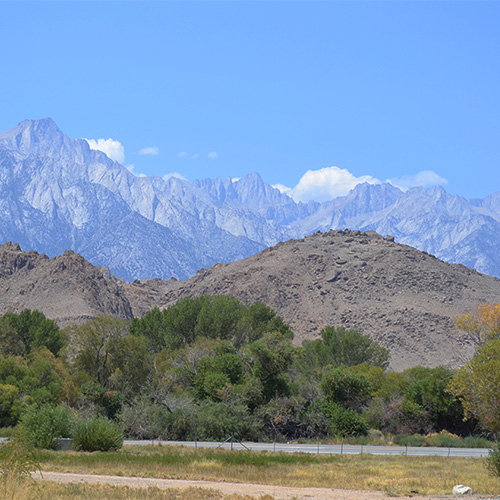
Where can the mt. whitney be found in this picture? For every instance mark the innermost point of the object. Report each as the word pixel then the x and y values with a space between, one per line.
pixel 58 194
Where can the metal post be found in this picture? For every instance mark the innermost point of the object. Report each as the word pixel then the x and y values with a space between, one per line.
pixel 231 441
pixel 274 444
pixel 342 447
pixel 406 450
pixel 361 449
pixel 449 449
pixel 318 445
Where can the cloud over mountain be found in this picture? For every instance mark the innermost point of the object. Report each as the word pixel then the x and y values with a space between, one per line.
pixel 113 149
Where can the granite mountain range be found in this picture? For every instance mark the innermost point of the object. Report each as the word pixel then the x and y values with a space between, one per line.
pixel 57 194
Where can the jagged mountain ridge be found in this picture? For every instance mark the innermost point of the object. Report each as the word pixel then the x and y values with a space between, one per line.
pixel 56 194
pixel 65 288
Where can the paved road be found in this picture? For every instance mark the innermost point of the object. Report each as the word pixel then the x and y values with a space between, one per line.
pixel 336 449
pixel 332 449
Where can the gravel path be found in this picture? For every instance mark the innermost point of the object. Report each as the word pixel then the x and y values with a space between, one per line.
pixel 256 490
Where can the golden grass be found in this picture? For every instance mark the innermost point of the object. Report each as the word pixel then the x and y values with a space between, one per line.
pixel 80 491
pixel 16 488
pixel 394 474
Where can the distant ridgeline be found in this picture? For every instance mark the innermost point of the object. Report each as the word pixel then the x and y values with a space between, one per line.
pixel 58 194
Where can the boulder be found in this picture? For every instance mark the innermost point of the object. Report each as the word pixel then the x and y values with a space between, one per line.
pixel 460 489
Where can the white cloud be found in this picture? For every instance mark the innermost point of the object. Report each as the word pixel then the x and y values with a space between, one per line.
pixel 213 155
pixel 193 157
pixel 182 154
pixel 325 184
pixel 130 167
pixel 150 150
pixel 283 189
pixel 113 149
pixel 423 178
pixel 166 177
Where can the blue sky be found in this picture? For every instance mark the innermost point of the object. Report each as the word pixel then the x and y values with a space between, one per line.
pixel 380 90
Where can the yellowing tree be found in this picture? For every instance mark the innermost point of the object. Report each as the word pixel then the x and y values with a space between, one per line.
pixel 481 325
pixel 477 385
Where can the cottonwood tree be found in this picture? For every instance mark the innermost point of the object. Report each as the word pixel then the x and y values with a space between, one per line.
pixel 481 325
pixel 477 384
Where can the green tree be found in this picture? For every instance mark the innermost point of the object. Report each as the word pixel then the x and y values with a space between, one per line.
pixel 339 346
pixel 347 387
pixel 93 345
pixel 270 359
pixel 33 330
pixel 477 384
pixel 218 317
pixel 150 326
pixel 256 320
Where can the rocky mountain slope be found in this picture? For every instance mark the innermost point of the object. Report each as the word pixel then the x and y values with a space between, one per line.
pixel 404 298
pixel 65 288
pixel 56 194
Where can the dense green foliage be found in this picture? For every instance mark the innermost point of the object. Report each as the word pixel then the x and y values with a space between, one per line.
pixel 43 426
pixel 21 333
pixel 209 368
pixel 97 434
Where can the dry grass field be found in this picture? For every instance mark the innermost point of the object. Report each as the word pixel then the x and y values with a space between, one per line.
pixel 395 475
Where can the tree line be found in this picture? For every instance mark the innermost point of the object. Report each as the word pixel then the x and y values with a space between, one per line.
pixel 209 367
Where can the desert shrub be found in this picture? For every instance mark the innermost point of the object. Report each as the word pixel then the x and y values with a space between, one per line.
pixel 7 432
pixel 97 434
pixel 143 419
pixel 217 421
pixel 43 426
pixel 286 418
pixel 409 440
pixel 493 460
pixel 444 439
pixel 477 442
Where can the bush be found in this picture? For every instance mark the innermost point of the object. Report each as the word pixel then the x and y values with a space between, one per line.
pixel 409 440
pixel 97 434
pixel 344 421
pixel 43 426
pixel 444 439
pixel 477 442
pixel 218 421
pixel 493 460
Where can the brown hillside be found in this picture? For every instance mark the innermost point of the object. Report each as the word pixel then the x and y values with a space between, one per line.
pixel 66 288
pixel 404 298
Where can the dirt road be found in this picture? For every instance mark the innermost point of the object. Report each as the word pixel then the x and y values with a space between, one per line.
pixel 255 490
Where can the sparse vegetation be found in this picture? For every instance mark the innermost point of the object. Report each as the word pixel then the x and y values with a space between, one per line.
pixel 400 474
pixel 17 462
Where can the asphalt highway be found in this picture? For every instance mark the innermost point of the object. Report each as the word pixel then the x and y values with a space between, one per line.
pixel 337 449
pixel 332 449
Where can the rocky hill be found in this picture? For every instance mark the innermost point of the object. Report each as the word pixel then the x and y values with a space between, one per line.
pixel 66 288
pixel 404 298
